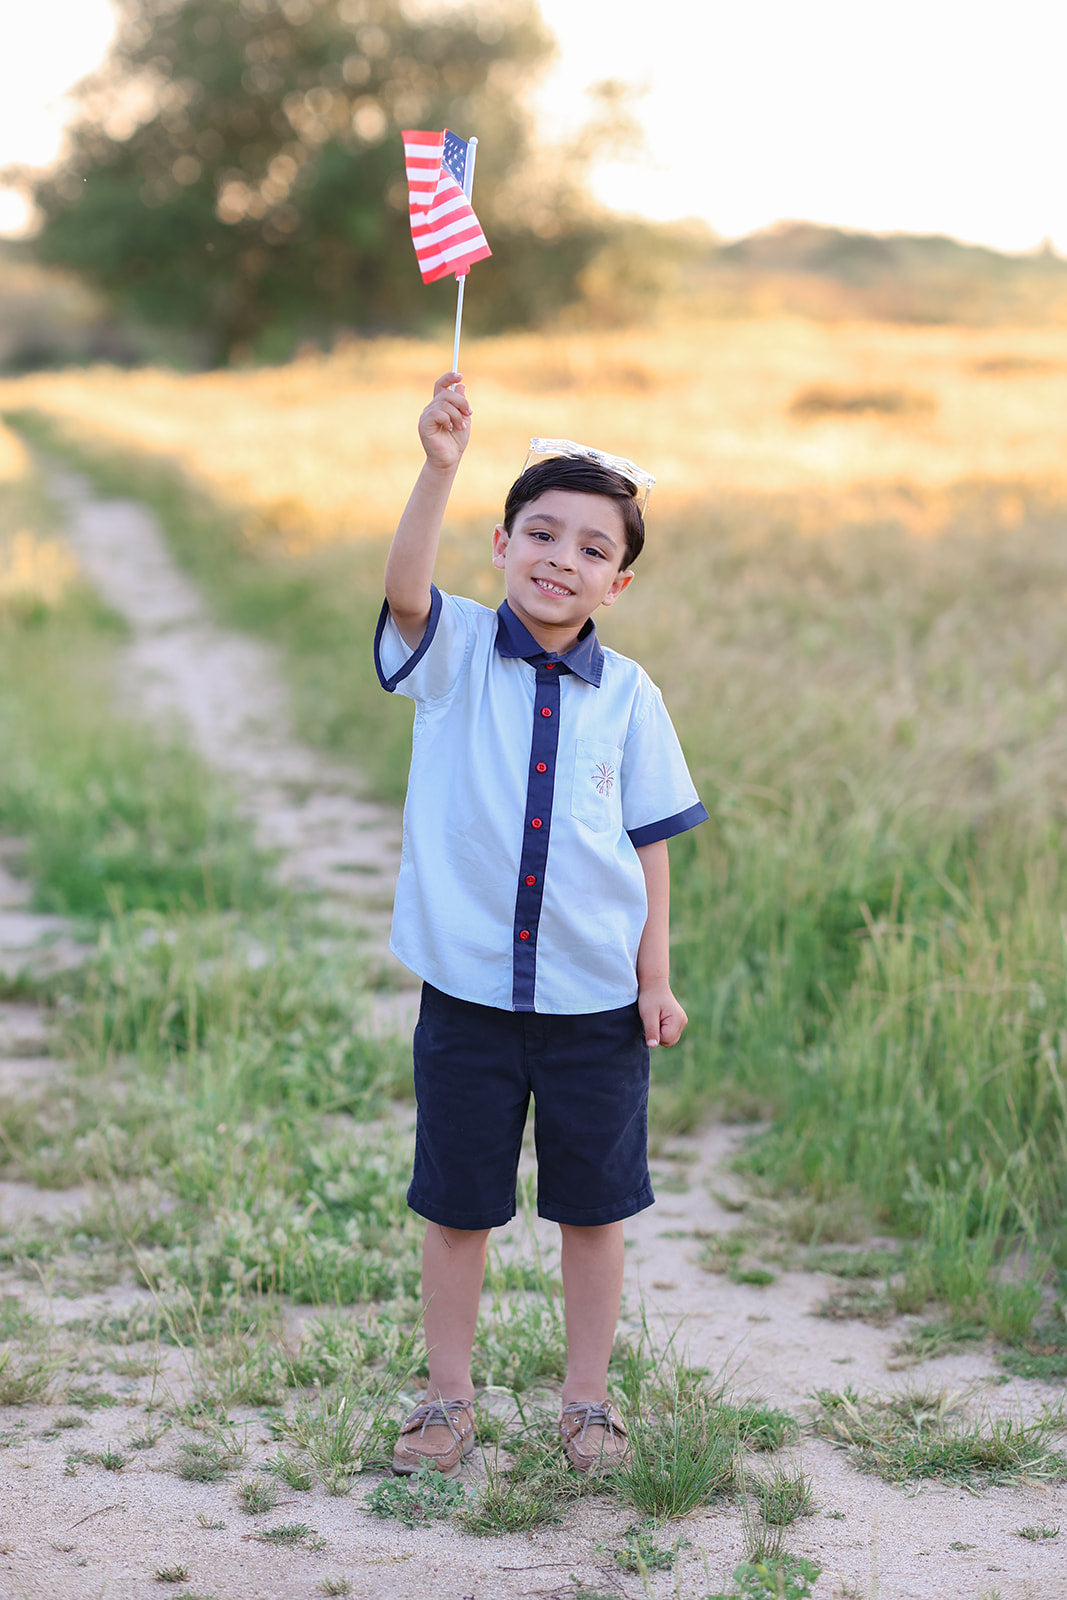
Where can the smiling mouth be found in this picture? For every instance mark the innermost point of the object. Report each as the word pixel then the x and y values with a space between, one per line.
pixel 553 588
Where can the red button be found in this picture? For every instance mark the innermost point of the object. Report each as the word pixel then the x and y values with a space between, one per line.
pixel 536 823
pixel 545 712
pixel 525 934
pixel 531 880
pixel 541 767
pixel 550 666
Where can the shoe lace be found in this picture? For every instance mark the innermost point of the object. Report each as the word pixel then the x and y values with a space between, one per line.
pixel 435 1413
pixel 592 1413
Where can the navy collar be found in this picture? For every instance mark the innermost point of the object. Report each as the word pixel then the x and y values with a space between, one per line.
pixel 585 658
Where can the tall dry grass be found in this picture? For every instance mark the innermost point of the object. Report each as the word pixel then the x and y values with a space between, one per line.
pixel 853 596
pixel 324 449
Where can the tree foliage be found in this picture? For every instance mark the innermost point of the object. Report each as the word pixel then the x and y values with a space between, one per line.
pixel 237 167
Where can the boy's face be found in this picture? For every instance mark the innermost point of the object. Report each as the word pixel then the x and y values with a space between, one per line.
pixel 561 561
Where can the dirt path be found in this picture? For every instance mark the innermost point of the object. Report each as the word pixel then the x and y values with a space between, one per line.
pixel 104 1535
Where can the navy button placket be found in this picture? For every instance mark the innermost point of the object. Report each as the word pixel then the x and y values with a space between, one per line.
pixel 537 825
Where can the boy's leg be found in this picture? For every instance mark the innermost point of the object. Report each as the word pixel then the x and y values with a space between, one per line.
pixel 453 1267
pixel 592 1266
pixel 440 1431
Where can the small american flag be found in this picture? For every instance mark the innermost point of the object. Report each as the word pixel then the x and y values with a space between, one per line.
pixel 446 233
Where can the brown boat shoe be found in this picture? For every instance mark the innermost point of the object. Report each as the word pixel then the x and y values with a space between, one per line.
pixel 438 1434
pixel 593 1436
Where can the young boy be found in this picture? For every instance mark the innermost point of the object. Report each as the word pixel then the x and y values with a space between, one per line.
pixel 532 900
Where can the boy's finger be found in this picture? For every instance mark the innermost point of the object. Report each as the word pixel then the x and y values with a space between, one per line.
pixel 671 1027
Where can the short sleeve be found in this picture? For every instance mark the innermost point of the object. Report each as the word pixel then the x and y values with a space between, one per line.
pixel 430 671
pixel 658 796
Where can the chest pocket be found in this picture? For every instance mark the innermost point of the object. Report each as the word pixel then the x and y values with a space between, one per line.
pixel 596 795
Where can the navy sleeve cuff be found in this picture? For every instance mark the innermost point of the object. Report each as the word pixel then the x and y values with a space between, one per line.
pixel 387 683
pixel 681 822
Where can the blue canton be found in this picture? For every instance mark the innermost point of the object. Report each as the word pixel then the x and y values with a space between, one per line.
pixel 454 156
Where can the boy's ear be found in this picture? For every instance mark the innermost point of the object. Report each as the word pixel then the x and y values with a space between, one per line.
pixel 621 581
pixel 500 544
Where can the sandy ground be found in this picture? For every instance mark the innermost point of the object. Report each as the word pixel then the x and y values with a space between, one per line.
pixel 100 1534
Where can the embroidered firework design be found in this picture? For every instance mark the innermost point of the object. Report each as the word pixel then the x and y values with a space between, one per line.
pixel 604 777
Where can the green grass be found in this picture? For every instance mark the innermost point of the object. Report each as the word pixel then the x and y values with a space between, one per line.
pixel 867 933
pixel 773 1577
pixel 424 1497
pixel 203 1459
pixel 641 1552
pixel 868 941
pixel 681 1457
pixel 1042 1352
pixel 110 813
pixel 533 1491
pixel 928 1435
pixel 783 1497
pixel 256 1495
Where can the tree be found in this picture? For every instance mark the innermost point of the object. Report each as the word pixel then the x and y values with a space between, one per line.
pixel 237 168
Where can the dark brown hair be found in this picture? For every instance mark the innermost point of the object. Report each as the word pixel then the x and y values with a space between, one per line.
pixel 580 477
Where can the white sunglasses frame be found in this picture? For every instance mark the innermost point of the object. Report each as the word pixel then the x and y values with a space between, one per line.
pixel 641 480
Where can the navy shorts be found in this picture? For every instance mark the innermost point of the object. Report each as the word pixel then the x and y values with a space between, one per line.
pixel 475 1070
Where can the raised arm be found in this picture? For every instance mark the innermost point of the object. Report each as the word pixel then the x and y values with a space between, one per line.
pixel 444 429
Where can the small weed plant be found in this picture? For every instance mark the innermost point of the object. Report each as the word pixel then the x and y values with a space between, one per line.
pixel 425 1496
pixel 780 1577
pixel 641 1552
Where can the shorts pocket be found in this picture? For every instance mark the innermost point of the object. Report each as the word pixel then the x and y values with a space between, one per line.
pixel 596 798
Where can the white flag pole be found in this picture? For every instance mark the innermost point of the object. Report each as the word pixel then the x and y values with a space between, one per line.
pixel 461 278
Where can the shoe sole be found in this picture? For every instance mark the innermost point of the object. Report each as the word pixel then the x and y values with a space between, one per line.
pixel 404 1469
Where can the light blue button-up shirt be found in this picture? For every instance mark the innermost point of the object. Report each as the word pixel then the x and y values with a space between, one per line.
pixel 534 777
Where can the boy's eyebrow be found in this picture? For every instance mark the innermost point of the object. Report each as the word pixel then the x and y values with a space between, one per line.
pixel 557 522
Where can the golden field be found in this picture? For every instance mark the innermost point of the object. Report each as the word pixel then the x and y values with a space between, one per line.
pixel 323 450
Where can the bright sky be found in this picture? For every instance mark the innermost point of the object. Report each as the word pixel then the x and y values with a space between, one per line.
pixel 920 115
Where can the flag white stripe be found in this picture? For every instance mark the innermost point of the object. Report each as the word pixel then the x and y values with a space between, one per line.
pixel 444 229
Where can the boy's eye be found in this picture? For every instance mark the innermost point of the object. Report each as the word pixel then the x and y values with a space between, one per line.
pixel 540 533
pixel 591 550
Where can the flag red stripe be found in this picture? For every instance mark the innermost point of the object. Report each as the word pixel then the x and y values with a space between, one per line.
pixel 444 229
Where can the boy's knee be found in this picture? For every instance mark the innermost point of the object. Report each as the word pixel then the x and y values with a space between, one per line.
pixel 594 1233
pixel 459 1238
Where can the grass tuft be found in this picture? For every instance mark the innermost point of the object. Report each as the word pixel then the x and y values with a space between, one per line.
pixel 785 1496
pixel 681 1457
pixel 921 1435
pixel 207 1460
pixel 256 1495
pixel 288 1533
